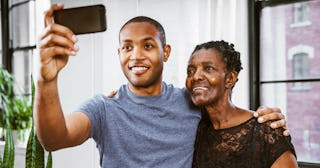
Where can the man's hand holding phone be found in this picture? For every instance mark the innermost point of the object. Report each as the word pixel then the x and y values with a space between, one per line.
pixel 56 44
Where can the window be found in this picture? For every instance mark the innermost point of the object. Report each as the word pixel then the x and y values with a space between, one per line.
pixel 285 69
pixel 300 12
pixel 301 69
pixel 22 37
pixel 1 134
pixel 18 41
pixel 0 40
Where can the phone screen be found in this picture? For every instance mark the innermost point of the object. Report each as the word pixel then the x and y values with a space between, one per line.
pixel 81 20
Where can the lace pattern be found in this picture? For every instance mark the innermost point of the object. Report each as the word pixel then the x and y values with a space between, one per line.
pixel 249 145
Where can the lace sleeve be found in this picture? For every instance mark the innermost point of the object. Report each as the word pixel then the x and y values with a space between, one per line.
pixel 275 143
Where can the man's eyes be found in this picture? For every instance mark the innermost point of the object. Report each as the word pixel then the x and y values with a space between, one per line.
pixel 130 47
pixel 126 47
pixel 148 46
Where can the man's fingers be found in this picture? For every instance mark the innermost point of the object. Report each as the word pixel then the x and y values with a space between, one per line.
pixel 56 40
pixel 278 123
pixel 281 123
pixel 59 30
pixel 48 19
pixel 53 51
pixel 264 110
pixel 272 116
pixel 286 132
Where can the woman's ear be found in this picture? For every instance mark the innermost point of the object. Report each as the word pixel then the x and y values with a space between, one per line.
pixel 231 79
pixel 166 50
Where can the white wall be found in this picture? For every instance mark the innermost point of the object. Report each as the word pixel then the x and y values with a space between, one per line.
pixel 187 22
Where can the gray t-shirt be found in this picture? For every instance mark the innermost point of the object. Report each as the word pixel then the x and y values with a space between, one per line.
pixel 144 131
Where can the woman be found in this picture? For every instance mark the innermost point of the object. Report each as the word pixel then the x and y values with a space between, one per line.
pixel 229 136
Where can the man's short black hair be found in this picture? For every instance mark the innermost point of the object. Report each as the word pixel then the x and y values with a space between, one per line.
pixel 152 22
pixel 228 54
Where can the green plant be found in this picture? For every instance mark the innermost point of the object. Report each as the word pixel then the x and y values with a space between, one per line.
pixel 34 152
pixel 8 154
pixel 16 109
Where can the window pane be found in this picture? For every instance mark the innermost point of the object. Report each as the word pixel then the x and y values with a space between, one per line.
pixel 280 41
pixel 300 66
pixel 22 68
pixel 300 12
pixel 0 39
pixel 302 113
pixel 301 69
pixel 22 25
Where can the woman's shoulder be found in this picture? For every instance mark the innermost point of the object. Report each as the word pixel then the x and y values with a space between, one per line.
pixel 270 135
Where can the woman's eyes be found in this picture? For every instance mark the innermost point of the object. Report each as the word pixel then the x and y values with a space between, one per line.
pixel 209 68
pixel 190 71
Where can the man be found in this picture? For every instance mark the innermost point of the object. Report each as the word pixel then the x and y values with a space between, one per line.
pixel 147 124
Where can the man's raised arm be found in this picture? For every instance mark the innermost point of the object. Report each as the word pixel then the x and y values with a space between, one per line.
pixel 54 129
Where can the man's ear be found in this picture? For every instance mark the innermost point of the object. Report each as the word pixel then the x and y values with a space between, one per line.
pixel 166 50
pixel 231 79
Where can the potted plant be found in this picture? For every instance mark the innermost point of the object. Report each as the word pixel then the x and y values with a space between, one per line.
pixel 11 105
pixel 17 109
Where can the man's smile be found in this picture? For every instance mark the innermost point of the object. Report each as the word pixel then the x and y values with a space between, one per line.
pixel 138 70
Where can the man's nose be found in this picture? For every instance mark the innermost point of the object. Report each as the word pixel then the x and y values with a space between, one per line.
pixel 137 53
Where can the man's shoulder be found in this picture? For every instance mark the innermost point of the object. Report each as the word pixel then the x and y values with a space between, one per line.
pixel 171 87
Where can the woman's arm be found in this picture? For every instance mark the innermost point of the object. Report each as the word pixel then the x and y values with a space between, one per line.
pixel 287 159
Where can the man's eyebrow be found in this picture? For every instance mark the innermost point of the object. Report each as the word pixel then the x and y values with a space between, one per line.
pixel 148 38
pixel 144 39
pixel 126 41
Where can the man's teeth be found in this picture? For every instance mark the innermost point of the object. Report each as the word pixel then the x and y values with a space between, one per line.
pixel 200 88
pixel 139 68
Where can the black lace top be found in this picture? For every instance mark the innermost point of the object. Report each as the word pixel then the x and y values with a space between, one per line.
pixel 249 145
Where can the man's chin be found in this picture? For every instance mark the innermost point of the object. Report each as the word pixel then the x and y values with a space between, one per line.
pixel 140 83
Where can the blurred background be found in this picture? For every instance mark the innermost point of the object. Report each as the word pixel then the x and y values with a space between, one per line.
pixel 278 41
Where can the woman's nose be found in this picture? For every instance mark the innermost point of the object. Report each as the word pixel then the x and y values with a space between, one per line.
pixel 198 75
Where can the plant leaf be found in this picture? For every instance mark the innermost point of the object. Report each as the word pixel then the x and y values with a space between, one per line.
pixel 29 153
pixel 39 156
pixel 8 156
pixel 35 152
pixel 0 161
pixel 49 161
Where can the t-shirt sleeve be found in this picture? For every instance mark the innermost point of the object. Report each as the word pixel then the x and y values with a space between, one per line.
pixel 275 143
pixel 94 108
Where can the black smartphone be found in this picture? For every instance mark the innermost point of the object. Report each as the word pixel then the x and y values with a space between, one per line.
pixel 82 20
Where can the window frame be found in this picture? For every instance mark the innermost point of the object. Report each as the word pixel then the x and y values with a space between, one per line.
pixel 8 49
pixel 254 12
pixel 6 52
